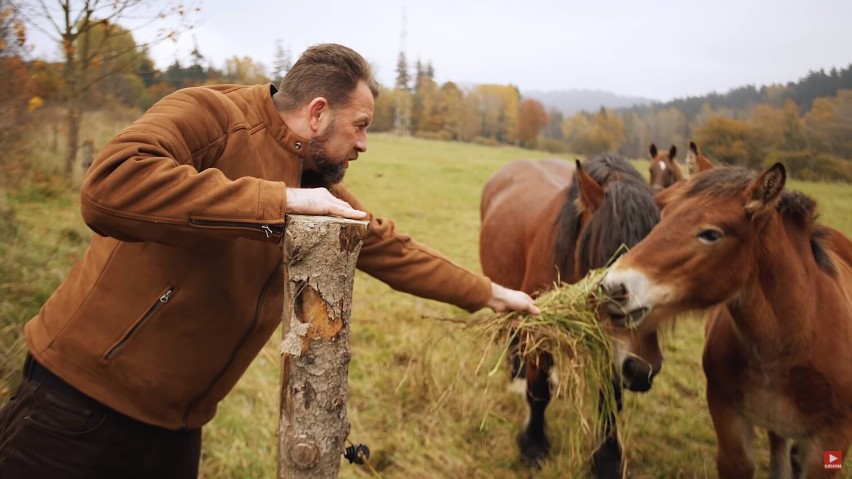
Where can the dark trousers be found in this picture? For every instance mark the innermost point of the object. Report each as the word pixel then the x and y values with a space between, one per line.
pixel 48 429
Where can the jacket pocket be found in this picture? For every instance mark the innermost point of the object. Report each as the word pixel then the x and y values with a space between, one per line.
pixel 158 304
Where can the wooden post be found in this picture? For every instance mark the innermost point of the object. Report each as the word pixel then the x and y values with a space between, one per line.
pixel 320 253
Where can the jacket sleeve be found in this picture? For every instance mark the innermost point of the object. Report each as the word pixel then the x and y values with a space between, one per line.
pixel 157 181
pixel 410 267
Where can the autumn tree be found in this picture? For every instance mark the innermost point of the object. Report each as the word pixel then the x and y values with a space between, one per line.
pixel 383 112
pixel 777 128
pixel 498 111
pixel 636 137
pixel 668 126
pixel 85 29
pixel 728 141
pixel 591 134
pixel 244 71
pixel 114 68
pixel 574 130
pixel 451 111
pixel 532 118
pixel 553 129
pixel 829 123
pixel 14 95
pixel 424 111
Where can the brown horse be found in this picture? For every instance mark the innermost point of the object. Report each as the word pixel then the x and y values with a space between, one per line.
pixel 663 168
pixel 550 220
pixel 695 160
pixel 778 285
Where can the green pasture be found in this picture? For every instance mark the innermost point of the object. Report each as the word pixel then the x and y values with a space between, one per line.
pixel 416 396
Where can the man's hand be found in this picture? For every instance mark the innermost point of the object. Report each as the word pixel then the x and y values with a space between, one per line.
pixel 319 201
pixel 505 299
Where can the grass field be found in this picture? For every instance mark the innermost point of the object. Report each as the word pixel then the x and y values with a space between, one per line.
pixel 415 396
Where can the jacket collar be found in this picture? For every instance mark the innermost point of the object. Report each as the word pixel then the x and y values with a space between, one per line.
pixel 294 143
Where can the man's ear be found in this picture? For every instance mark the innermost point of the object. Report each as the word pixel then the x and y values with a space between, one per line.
pixel 318 112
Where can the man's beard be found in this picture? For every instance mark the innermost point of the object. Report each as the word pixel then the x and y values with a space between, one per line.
pixel 328 172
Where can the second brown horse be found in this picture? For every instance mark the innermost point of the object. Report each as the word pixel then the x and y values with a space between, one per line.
pixel 551 220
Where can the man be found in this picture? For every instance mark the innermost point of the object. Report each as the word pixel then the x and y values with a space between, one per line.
pixel 181 287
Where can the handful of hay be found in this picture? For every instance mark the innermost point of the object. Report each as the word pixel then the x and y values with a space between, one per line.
pixel 569 332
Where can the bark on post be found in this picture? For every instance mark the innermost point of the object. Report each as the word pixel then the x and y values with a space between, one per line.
pixel 320 253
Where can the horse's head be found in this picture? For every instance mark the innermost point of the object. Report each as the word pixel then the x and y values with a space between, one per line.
pixel 703 250
pixel 616 210
pixel 663 168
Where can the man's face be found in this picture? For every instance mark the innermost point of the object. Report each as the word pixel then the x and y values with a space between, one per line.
pixel 344 138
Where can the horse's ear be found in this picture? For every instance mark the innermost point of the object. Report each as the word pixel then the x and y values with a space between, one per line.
pixel 763 194
pixel 672 152
pixel 653 151
pixel 591 193
pixel 701 161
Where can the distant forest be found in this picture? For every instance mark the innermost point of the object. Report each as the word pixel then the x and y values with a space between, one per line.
pixel 805 124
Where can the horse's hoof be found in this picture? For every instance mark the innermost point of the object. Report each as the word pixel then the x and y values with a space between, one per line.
pixel 533 452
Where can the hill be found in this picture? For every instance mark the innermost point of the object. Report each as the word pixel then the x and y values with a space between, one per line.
pixel 573 101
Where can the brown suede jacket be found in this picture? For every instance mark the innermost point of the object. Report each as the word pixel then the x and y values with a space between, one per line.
pixel 181 287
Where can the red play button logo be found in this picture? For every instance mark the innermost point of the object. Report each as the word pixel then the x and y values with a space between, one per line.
pixel 832 459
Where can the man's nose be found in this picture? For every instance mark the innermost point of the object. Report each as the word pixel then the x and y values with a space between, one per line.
pixel 361 143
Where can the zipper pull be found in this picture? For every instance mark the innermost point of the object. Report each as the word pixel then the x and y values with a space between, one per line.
pixel 166 296
pixel 266 229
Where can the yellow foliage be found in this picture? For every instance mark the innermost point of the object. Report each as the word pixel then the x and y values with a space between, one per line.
pixel 35 103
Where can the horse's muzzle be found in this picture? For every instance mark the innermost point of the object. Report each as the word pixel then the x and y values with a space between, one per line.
pixel 614 307
pixel 638 374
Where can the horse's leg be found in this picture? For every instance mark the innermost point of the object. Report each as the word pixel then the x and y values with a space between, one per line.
pixel 607 459
pixel 734 436
pixel 804 458
pixel 533 440
pixel 780 457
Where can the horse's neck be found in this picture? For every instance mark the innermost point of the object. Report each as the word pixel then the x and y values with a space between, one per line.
pixel 780 305
pixel 541 271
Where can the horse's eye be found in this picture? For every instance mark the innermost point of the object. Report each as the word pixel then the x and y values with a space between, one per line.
pixel 710 236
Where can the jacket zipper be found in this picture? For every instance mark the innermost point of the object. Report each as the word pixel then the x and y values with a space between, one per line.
pixel 161 301
pixel 269 230
pixel 238 347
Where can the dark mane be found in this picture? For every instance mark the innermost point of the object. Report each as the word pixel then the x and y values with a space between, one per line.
pixel 627 214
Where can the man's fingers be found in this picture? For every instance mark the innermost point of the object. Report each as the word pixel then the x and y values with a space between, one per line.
pixel 319 201
pixel 348 212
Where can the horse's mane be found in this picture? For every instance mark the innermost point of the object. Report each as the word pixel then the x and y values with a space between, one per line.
pixel 626 215
pixel 793 206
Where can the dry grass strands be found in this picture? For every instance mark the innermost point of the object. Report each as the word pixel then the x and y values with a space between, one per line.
pixel 567 330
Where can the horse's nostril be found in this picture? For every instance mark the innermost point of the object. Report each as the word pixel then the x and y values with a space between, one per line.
pixel 617 293
pixel 638 374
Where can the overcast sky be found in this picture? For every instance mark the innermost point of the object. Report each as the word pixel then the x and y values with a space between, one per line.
pixel 654 49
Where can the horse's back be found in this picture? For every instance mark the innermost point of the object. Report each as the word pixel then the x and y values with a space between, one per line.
pixel 515 200
pixel 525 182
